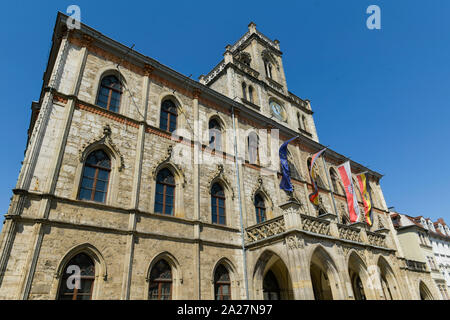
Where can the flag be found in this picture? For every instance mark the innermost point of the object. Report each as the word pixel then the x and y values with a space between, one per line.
pixel 367 198
pixel 352 201
pixel 314 197
pixel 285 183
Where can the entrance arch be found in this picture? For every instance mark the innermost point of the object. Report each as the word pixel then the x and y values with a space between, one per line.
pixel 359 277
pixel 388 282
pixel 271 278
pixel 424 292
pixel 324 276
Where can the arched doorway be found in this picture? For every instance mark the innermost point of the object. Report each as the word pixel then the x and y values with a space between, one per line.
pixel 387 280
pixel 324 276
pixel 271 289
pixel 358 277
pixel 425 294
pixel 271 278
pixel 320 283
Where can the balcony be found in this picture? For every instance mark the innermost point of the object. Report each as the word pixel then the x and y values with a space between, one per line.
pixel 321 227
pixel 416 266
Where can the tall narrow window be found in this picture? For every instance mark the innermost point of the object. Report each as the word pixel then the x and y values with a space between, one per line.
pixel 244 91
pixel 110 93
pixel 222 284
pixel 160 281
pixel 165 192
pixel 250 94
pixel 168 118
pixel 334 180
pixel 96 171
pixel 218 204
pixel 268 67
pixel 77 290
pixel 299 119
pixel 260 208
pixel 253 152
pixel 305 124
pixel 215 135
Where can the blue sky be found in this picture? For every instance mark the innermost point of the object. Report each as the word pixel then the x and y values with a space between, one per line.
pixel 380 97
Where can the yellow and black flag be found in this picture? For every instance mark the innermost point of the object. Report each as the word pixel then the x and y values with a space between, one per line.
pixel 367 198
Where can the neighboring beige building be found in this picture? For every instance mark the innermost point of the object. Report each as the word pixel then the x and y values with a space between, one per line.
pixel 415 235
pixel 107 192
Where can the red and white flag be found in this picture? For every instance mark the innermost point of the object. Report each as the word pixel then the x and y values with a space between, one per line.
pixel 352 201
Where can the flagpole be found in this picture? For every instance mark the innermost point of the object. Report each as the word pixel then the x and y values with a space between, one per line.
pixel 331 187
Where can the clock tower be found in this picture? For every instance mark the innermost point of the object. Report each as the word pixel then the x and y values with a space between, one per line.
pixel 252 72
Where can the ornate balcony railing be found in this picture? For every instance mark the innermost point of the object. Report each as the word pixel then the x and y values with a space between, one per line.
pixel 349 233
pixel 416 265
pixel 266 229
pixel 316 225
pixel 376 239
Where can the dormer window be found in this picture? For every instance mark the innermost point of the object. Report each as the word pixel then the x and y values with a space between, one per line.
pixel 424 223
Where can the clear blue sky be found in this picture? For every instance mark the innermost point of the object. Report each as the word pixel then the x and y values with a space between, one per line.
pixel 380 97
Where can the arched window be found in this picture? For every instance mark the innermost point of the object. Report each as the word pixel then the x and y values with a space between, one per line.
pixel 253 144
pixel 165 192
pixel 334 181
pixel 305 123
pixel 250 94
pixel 218 204
pixel 222 284
pixel 70 288
pixel 260 209
pixel 96 171
pixel 168 118
pixel 268 68
pixel 319 181
pixel 244 90
pixel 300 123
pixel 215 135
pixel 110 93
pixel 160 281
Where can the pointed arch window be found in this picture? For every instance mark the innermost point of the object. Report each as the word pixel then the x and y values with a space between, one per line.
pixel 165 192
pixel 253 146
pixel 222 284
pixel 305 123
pixel 215 135
pixel 218 204
pixel 334 181
pixel 69 287
pixel 95 179
pixel 110 93
pixel 168 117
pixel 268 68
pixel 160 281
pixel 260 209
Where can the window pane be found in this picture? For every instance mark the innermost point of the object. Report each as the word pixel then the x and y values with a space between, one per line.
pixel 103 175
pixel 89 172
pixel 221 220
pixel 99 196
pixel 85 286
pixel 158 207
pixel 169 210
pixel 85 194
pixel 87 183
pixel 101 186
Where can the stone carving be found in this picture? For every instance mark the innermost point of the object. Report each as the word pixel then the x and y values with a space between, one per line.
pixel 376 239
pixel 380 223
pixel 316 225
pixel 349 233
pixel 106 140
pixel 266 229
pixel 219 175
pixel 295 242
pixel 165 161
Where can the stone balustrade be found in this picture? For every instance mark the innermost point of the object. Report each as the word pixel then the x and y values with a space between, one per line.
pixel 376 239
pixel 349 233
pixel 292 220
pixel 265 230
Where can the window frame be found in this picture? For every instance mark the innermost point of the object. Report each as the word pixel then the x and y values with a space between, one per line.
pixel 215 203
pixel 170 115
pixel 110 89
pixel 165 185
pixel 95 179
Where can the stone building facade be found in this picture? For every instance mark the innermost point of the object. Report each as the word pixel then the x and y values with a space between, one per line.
pixel 224 229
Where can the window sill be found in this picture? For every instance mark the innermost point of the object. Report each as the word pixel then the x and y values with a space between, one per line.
pixel 251 104
pixel 305 132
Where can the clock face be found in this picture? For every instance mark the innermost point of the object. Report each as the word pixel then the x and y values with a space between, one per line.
pixel 278 111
